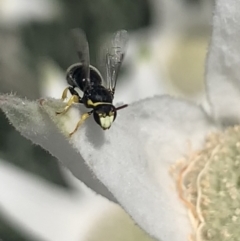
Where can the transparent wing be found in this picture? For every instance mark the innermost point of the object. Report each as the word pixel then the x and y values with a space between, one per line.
pixel 111 56
pixel 81 44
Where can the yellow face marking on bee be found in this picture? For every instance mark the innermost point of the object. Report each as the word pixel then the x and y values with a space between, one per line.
pixel 106 122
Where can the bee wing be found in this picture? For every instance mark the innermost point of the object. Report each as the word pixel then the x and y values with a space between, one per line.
pixel 111 56
pixel 82 47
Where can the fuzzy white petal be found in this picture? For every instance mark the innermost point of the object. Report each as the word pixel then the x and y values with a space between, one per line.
pixel 133 158
pixel 28 118
pixel 223 65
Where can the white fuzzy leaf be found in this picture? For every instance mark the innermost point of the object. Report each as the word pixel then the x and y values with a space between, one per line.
pixel 223 65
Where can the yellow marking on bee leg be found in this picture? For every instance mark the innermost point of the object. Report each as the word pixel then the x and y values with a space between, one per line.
pixel 64 94
pixel 80 122
pixel 72 100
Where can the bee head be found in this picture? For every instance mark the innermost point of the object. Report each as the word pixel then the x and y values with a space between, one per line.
pixel 104 115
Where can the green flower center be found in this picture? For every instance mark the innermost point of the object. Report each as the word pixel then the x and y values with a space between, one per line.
pixel 209 185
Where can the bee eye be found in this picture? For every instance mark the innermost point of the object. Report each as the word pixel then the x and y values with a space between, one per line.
pixel 97 117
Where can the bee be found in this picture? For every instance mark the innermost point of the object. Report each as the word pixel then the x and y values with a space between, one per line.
pixel 98 92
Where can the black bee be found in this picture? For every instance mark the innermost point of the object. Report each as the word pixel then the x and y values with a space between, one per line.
pixel 98 92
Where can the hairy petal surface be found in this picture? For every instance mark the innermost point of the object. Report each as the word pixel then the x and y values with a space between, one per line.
pixel 133 158
pixel 29 119
pixel 223 65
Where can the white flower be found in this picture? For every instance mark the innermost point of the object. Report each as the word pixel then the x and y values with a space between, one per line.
pixel 133 159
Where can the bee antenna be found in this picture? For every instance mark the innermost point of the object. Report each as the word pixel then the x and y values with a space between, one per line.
pixel 121 107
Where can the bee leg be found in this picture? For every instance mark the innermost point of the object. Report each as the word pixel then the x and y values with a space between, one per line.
pixel 64 94
pixel 71 90
pixel 80 122
pixel 72 100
